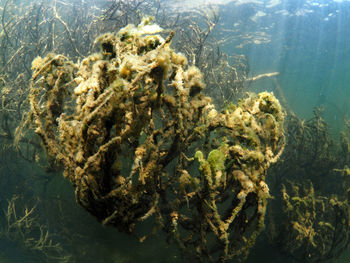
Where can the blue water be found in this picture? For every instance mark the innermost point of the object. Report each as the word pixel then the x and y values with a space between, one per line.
pixel 306 41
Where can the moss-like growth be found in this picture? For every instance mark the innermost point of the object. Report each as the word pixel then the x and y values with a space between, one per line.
pixel 126 136
pixel 315 228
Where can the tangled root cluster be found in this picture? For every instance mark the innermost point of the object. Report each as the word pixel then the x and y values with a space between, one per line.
pixel 138 139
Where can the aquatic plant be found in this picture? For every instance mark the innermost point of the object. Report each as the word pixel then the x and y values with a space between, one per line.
pixel 35 28
pixel 311 153
pixel 224 75
pixel 316 228
pixel 22 227
pixel 314 214
pixel 138 139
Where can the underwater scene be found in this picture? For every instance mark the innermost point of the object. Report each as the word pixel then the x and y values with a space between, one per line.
pixel 174 131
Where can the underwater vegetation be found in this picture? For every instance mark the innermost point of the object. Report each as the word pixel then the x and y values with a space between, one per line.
pixel 138 139
pixel 314 215
pixel 317 227
pixel 158 134
pixel 23 229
